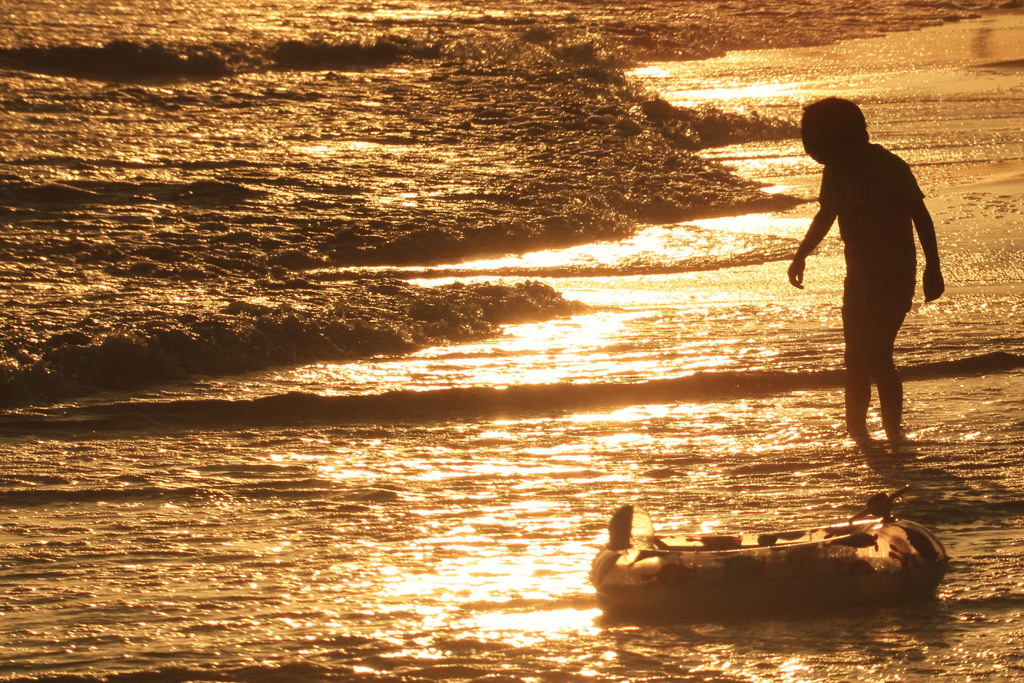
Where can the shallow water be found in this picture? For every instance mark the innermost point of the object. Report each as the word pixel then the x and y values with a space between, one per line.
pixel 324 537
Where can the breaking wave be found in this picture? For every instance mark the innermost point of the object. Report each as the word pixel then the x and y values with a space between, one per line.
pixel 18 193
pixel 121 60
pixel 366 318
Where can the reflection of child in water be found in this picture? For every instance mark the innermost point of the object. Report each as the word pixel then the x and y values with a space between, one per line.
pixel 874 195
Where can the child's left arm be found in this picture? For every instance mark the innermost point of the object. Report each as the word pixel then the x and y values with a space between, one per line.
pixel 934 285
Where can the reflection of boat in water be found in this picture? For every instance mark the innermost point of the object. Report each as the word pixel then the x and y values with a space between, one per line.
pixel 872 558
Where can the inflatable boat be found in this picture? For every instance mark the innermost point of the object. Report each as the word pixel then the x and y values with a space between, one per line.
pixel 870 558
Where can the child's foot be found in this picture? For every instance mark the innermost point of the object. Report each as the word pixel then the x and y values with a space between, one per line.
pixel 858 433
pixel 895 435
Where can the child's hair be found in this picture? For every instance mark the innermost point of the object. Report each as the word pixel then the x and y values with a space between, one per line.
pixel 832 128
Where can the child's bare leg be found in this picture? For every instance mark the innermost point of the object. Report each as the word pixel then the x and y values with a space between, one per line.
pixel 858 396
pixel 870 326
pixel 890 398
pixel 883 369
pixel 856 335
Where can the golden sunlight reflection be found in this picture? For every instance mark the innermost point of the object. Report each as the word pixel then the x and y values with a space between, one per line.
pixel 526 628
pixel 756 224
pixel 736 93
pixel 654 248
pixel 487 589
pixel 698 83
pixel 531 347
pixel 313 150
pixel 782 166
pixel 653 244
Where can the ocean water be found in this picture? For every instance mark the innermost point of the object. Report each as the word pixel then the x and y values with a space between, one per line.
pixel 431 515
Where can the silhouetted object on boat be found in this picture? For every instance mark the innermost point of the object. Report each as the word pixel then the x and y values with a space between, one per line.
pixel 880 506
pixel 870 558
pixel 879 205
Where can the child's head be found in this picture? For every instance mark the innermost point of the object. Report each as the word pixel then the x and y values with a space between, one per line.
pixel 833 130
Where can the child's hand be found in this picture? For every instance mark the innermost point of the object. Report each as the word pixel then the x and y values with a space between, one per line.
pixel 934 285
pixel 796 273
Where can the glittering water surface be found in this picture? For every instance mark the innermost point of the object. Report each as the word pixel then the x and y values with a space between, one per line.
pixel 455 547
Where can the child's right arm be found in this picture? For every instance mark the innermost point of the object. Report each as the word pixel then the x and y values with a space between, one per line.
pixel 820 225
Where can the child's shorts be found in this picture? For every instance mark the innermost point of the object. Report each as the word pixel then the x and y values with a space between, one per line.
pixel 875 312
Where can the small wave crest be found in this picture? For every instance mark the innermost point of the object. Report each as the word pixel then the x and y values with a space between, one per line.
pixel 126 60
pixel 303 55
pixel 365 318
pixel 18 193
pixel 47 495
pixel 474 402
pixel 118 60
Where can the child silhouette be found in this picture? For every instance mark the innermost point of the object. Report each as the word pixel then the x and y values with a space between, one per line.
pixel 879 205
